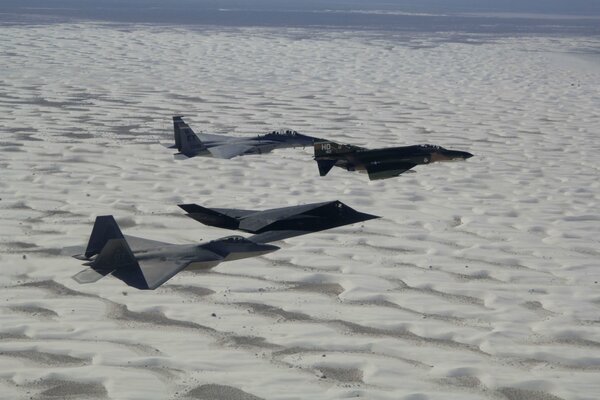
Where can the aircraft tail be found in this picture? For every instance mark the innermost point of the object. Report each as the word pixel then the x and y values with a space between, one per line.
pixel 327 148
pixel 186 141
pixel 116 254
pixel 105 229
pixel 116 258
pixel 113 256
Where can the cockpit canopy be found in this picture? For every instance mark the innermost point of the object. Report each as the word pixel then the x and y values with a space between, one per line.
pixel 233 239
pixel 431 147
pixel 284 132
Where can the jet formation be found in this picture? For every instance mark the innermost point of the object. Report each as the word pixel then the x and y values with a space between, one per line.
pixel 189 144
pixel 147 264
pixel 380 163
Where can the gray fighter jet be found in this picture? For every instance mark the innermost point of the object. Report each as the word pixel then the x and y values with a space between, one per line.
pixel 380 163
pixel 147 264
pixel 190 144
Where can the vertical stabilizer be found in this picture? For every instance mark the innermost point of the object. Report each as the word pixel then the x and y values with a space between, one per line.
pixel 186 140
pixel 177 122
pixel 105 228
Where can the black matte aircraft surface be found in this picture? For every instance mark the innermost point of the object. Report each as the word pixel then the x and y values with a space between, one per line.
pixel 380 163
pixel 189 144
pixel 147 264
pixel 278 223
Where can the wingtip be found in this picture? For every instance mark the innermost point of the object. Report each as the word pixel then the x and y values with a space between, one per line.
pixel 189 207
pixel 180 156
pixel 368 217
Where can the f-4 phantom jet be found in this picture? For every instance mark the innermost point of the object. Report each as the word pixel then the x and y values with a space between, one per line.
pixel 189 144
pixel 380 163
pixel 147 264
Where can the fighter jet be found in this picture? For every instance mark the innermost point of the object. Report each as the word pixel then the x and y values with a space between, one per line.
pixel 190 144
pixel 147 264
pixel 380 163
pixel 278 223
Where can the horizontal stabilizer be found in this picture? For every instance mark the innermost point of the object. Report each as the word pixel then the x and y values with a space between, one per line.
pixel 180 156
pixel 89 276
pixel 325 166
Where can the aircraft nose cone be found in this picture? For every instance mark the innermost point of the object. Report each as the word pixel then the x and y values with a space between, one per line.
pixel 459 155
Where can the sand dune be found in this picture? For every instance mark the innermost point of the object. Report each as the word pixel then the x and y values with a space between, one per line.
pixel 480 281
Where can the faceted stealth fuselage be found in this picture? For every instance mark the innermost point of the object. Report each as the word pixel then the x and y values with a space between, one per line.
pixel 279 223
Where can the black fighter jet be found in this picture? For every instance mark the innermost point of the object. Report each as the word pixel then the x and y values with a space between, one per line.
pixel 147 264
pixel 380 163
pixel 278 223
pixel 189 144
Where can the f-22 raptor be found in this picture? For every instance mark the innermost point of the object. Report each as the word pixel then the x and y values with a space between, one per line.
pixel 380 163
pixel 189 144
pixel 147 264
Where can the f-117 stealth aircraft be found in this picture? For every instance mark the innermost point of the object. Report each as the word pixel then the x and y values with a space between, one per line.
pixel 278 223
pixel 147 264
pixel 190 144
pixel 380 163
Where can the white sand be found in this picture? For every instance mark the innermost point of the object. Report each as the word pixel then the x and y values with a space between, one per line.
pixel 481 281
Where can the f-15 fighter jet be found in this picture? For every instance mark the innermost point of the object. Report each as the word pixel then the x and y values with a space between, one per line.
pixel 190 144
pixel 147 264
pixel 380 163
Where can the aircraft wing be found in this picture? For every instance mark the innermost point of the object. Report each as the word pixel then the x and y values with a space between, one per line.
pixel 229 150
pixel 213 138
pixel 227 218
pixel 263 219
pixel 274 236
pixel 138 243
pixel 150 274
pixel 387 170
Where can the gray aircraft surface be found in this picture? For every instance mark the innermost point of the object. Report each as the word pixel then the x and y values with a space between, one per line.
pixel 147 264
pixel 190 144
pixel 380 163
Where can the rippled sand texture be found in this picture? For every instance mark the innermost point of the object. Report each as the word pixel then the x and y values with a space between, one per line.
pixel 479 282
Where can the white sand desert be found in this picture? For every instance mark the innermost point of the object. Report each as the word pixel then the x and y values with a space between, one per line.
pixel 481 281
